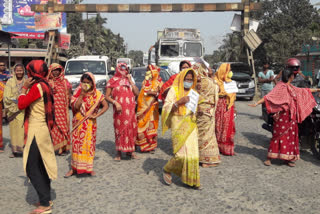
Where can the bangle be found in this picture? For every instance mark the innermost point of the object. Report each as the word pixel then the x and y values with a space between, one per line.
pixel 25 87
pixel 113 102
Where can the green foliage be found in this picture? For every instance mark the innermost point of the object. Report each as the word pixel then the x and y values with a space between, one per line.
pixel 285 26
pixel 99 40
pixel 137 57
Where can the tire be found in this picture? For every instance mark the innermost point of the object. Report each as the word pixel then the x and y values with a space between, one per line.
pixel 315 148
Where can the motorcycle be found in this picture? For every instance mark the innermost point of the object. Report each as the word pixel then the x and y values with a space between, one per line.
pixel 309 129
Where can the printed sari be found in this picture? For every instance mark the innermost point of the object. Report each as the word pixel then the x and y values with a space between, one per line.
pixel 14 115
pixel 184 133
pixel 2 86
pixel 208 90
pixel 225 125
pixel 148 112
pixel 125 122
pixel 84 129
pixel 61 132
pixel 290 105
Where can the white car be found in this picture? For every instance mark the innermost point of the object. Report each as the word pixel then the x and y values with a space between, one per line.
pixel 98 65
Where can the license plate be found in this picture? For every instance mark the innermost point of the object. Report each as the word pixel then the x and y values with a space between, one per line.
pixel 242 91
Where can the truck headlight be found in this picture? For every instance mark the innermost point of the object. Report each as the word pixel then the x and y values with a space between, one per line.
pixel 251 84
pixel 101 83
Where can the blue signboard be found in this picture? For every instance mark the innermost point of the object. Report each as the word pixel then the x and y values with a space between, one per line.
pixel 16 17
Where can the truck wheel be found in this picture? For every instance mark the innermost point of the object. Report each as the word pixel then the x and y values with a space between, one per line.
pixel 315 148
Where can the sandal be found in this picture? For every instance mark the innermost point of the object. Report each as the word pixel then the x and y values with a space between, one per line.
pixel 41 211
pixel 38 204
pixel 12 155
pixel 152 151
pixel 291 164
pixel 198 188
pixel 167 178
pixel 117 158
pixel 267 163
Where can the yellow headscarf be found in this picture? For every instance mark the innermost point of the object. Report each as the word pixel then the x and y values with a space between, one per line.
pixel 220 77
pixel 179 87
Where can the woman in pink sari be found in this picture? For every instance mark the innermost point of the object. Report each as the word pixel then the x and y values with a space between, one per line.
pixel 121 92
pixel 290 106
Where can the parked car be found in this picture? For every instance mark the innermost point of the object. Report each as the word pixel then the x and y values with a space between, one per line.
pixel 128 61
pixel 243 77
pixel 98 65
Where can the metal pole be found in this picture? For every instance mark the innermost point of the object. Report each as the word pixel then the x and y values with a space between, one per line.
pixel 9 56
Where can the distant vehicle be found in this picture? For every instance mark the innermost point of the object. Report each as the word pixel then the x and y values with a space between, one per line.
pixel 98 65
pixel 175 45
pixel 128 61
pixel 243 77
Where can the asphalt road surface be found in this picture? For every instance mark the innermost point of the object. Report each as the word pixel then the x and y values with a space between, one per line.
pixel 241 184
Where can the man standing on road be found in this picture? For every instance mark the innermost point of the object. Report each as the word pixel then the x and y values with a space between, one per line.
pixel 266 77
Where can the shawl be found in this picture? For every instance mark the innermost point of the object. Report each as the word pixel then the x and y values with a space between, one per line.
pixel 38 70
pixel 284 97
pixel 89 107
pixel 120 77
pixel 169 82
pixel 220 77
pixel 146 103
pixel 11 93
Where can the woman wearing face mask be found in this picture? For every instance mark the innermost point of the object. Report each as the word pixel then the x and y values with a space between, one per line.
pixel 290 106
pixel 148 110
pixel 182 121
pixel 225 125
pixel 121 92
pixel 85 104
pixel 62 95
pixel 14 115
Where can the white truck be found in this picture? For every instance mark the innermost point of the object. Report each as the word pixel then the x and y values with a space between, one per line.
pixel 175 45
pixel 98 65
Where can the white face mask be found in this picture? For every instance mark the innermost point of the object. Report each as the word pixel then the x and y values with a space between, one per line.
pixel 187 84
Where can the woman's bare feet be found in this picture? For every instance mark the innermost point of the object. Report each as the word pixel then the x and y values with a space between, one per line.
pixel 291 163
pixel 93 173
pixel 267 162
pixel 118 156
pixel 69 173
pixel 206 165
pixel 133 156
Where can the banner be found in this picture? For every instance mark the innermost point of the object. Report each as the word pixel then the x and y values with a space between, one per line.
pixel 47 21
pixel 16 17
pixel 64 41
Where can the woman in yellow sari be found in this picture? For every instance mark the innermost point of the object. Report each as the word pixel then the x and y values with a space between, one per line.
pixel 182 122
pixel 208 90
pixel 148 110
pixel 85 104
pixel 14 115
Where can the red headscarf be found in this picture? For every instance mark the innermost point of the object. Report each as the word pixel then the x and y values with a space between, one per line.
pixel 38 70
pixel 120 77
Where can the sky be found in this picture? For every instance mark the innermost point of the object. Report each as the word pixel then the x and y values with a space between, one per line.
pixel 139 30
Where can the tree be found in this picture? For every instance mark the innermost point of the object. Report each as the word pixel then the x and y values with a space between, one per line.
pixel 137 57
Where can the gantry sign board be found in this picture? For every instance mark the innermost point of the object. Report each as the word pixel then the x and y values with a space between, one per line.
pixel 252 40
pixel 245 6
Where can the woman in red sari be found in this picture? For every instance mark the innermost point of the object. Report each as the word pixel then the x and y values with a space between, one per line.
pixel 225 126
pixel 290 106
pixel 85 104
pixel 62 94
pixel 121 92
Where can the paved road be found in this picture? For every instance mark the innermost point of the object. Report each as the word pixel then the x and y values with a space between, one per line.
pixel 241 184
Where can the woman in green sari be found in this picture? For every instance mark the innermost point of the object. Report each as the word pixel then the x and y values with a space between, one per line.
pixel 182 122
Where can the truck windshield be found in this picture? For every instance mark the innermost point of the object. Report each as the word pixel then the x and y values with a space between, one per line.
pixel 192 49
pixel 82 66
pixel 169 49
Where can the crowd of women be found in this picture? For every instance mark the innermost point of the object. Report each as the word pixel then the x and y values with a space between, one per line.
pixel 38 111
